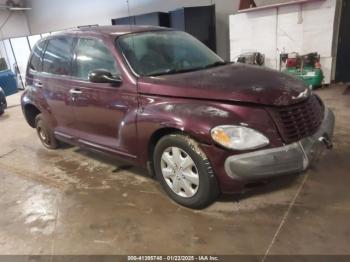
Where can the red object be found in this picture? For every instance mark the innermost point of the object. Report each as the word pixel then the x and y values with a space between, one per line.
pixel 127 120
pixel 291 62
pixel 246 4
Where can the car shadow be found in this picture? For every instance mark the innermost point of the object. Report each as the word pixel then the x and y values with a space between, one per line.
pixel 13 106
pixel 4 116
pixel 253 189
pixel 118 165
pixel 261 188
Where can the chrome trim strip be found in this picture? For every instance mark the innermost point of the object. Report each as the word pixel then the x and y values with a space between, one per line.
pixel 306 157
pixel 99 147
pixel 58 133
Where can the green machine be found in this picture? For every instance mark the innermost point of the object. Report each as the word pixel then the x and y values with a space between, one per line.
pixel 307 68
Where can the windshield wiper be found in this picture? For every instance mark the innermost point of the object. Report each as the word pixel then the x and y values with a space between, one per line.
pixel 218 63
pixel 176 71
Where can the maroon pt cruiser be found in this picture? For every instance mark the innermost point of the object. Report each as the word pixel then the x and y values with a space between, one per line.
pixel 160 99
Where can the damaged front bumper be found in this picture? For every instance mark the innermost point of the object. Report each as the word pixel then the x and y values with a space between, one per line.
pixel 287 159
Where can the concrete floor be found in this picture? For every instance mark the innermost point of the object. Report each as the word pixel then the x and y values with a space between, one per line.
pixel 73 202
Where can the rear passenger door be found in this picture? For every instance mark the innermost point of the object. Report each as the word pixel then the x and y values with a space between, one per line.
pixel 55 82
pixel 34 77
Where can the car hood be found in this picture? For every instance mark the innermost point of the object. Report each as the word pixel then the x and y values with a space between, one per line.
pixel 232 82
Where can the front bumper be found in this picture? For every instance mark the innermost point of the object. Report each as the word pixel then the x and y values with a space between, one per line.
pixel 287 159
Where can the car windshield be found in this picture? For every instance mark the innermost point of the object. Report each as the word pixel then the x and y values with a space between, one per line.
pixel 166 52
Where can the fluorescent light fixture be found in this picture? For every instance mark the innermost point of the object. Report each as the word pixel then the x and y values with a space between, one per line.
pixel 19 8
pixel 14 8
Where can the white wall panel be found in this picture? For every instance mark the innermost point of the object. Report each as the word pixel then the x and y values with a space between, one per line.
pixel 21 50
pixel 33 39
pixel 318 27
pixel 290 29
pixel 300 28
pixel 260 27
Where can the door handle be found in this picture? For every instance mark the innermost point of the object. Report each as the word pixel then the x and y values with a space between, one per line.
pixel 75 92
pixel 38 84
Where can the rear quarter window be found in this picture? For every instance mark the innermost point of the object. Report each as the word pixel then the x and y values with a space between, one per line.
pixel 36 58
pixel 58 56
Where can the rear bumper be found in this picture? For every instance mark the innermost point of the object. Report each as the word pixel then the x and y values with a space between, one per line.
pixel 287 159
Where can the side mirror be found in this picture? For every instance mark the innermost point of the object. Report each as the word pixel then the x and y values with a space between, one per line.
pixel 104 76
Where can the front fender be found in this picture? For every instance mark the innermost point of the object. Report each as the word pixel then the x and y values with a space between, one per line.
pixel 197 118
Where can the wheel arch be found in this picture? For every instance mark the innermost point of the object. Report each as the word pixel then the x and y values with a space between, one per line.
pixel 30 112
pixel 157 135
pixel 160 133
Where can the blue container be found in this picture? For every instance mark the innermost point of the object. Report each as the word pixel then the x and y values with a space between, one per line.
pixel 8 82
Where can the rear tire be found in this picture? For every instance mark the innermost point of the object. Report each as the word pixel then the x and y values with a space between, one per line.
pixel 2 112
pixel 45 134
pixel 184 171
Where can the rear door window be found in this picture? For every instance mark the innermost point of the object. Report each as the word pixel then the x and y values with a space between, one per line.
pixel 58 56
pixel 37 54
pixel 92 54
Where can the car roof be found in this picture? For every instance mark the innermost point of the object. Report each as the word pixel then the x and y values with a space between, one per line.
pixel 112 30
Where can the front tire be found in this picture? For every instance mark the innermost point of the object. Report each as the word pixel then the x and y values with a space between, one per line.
pixel 45 134
pixel 184 171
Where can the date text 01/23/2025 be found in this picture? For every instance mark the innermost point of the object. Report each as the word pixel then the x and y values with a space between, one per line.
pixel 173 258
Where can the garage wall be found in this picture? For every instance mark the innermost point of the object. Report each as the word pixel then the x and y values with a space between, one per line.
pixel 49 16
pixel 12 24
pixel 296 28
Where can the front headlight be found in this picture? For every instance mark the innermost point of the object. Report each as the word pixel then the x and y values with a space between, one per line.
pixel 238 137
